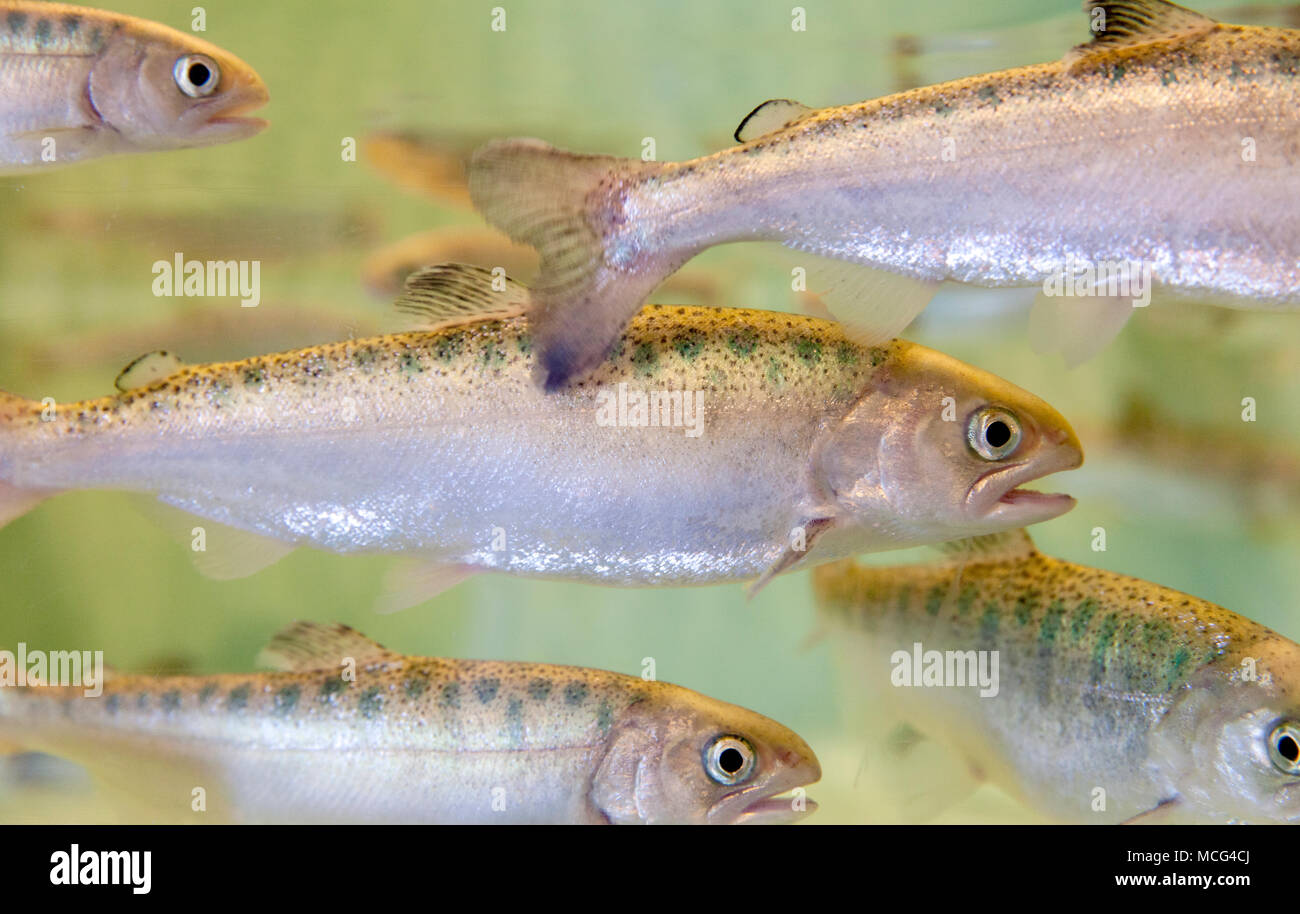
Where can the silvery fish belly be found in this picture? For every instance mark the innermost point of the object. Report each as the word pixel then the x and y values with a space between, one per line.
pixel 1090 696
pixel 714 445
pixel 1167 150
pixel 79 83
pixel 348 731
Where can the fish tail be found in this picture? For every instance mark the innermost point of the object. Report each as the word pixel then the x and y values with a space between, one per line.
pixel 568 206
pixel 15 500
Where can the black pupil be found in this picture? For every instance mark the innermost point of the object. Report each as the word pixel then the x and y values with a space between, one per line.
pixel 997 434
pixel 199 74
pixel 1288 748
pixel 731 761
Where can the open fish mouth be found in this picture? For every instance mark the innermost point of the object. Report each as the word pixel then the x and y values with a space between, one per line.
pixel 997 495
pixel 230 120
pixel 778 810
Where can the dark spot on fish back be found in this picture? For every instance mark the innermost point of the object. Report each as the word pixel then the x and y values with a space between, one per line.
pixel 286 699
pixel 415 686
pixel 515 722
pixel 808 350
pixel 604 718
pixel 934 599
pixel 371 703
pixel 171 700
pixel 207 692
pixel 539 689
pixel 450 696
pixel 17 21
pixel 330 688
pixel 237 700
pixel 575 693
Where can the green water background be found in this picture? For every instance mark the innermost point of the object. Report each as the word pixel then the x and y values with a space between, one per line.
pixel 91 571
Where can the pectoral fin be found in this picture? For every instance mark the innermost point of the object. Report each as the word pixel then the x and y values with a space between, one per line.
pixel 218 551
pixel 1078 326
pixel 1160 814
pixel 873 305
pixel 410 583
pixel 804 535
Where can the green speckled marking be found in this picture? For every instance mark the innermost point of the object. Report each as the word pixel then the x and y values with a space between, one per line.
pixel 539 689
pixel 1168 78
pixel 331 687
pixel 113 704
pixel 1175 666
pixel 171 699
pixel 966 599
pixel 989 623
pixel 1117 73
pixel 1081 618
pixel 645 359
pixel 16 22
pixel 206 693
pixel 44 31
pixel 808 350
pixel 446 348
pixel 71 24
pixel 1235 72
pixel 142 701
pixel 1051 626
pixel 286 700
pixel 743 343
pixel 688 346
pixel 942 108
pixel 486 689
pixel 415 686
pixel 411 363
pixel 775 372
pixel 934 599
pixel 525 343
pixel 604 718
pixel 846 353
pixel 1105 634
pixel 1024 610
pixel 989 94
pixel 492 356
pixel 237 700
pixel 371 703
pixel 450 697
pixel 575 693
pixel 515 722
pixel 904 599
pixel 254 377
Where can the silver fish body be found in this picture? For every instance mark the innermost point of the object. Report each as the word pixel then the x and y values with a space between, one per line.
pixel 438 445
pixel 1116 700
pixel 1166 152
pixel 353 733
pixel 78 83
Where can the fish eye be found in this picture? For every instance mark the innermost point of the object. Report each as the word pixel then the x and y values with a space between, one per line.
pixel 729 760
pixel 993 433
pixel 196 75
pixel 1284 747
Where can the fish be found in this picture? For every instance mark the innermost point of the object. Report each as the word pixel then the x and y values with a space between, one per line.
pixel 345 730
pixel 1155 155
pixel 1116 701
pixel 715 445
pixel 78 84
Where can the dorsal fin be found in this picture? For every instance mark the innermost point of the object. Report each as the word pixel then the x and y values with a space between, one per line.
pixel 773 114
pixel 456 293
pixel 1129 23
pixel 303 646
pixel 148 368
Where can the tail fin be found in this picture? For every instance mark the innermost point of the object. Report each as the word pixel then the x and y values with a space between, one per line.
pixel 562 204
pixel 15 500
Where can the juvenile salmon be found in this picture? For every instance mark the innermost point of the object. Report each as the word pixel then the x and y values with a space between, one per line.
pixel 1167 150
pixel 349 731
pixel 713 445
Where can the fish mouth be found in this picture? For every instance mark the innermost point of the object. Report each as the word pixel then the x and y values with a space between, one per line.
pixel 777 810
pixel 229 122
pixel 997 495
